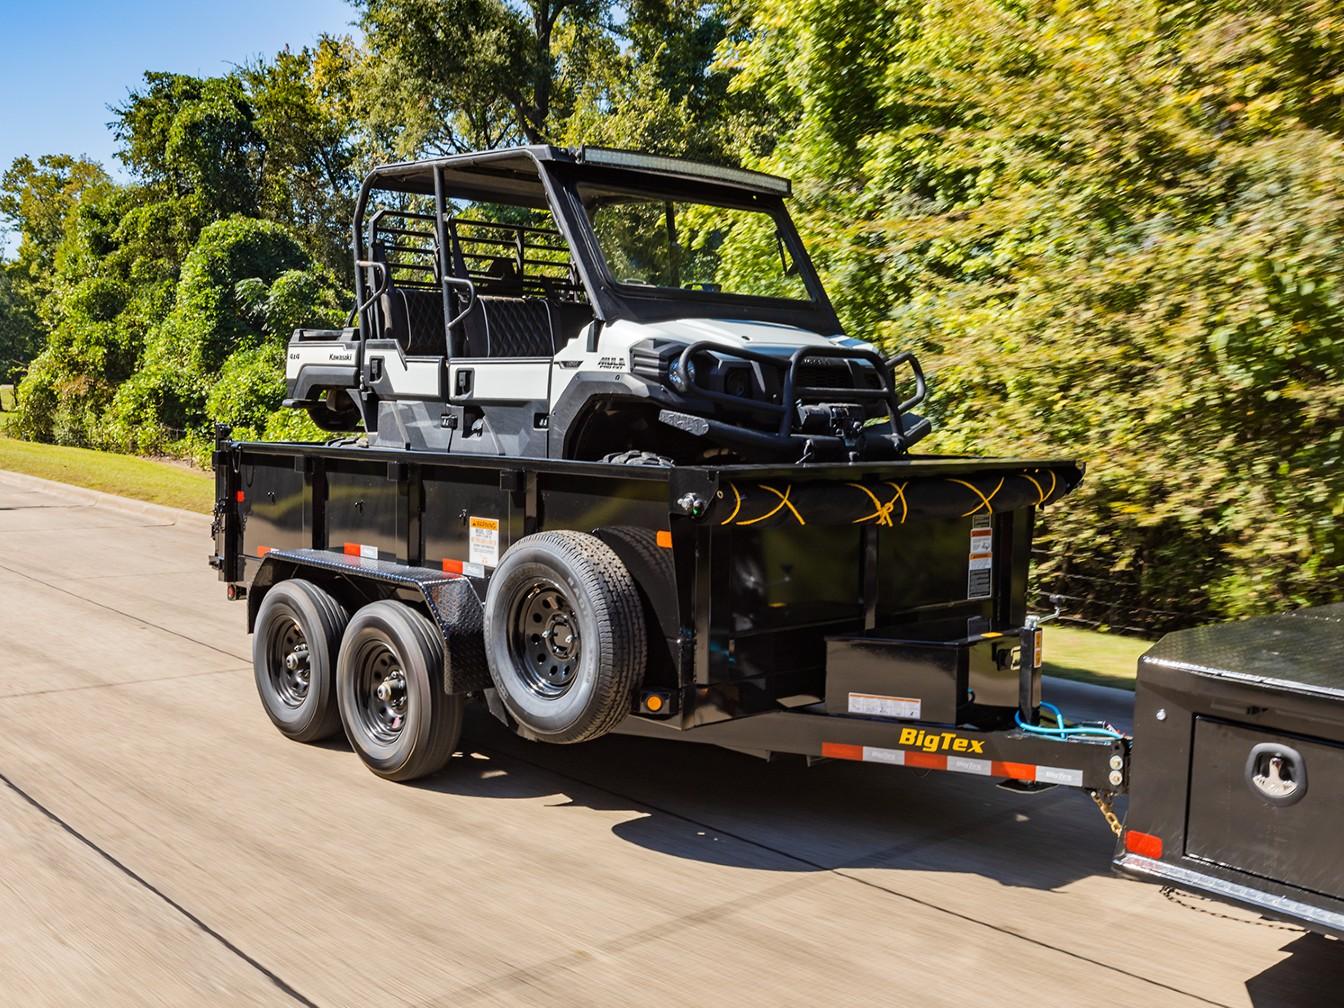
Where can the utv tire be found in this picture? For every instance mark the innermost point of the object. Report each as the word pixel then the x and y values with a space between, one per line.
pixel 565 637
pixel 337 413
pixel 389 686
pixel 639 458
pixel 294 643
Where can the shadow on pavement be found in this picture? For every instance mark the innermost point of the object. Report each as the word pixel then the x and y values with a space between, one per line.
pixel 1311 977
pixel 708 804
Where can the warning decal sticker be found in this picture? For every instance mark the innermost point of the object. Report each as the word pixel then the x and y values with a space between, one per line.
pixel 884 706
pixel 979 579
pixel 484 541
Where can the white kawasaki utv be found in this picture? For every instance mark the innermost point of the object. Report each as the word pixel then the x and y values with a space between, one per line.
pixel 595 305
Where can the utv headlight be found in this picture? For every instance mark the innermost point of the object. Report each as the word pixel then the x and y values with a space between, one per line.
pixel 681 382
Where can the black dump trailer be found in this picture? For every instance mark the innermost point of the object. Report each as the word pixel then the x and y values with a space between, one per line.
pixel 1236 789
pixel 862 611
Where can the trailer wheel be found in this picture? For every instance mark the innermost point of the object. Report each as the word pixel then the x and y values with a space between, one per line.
pixel 564 635
pixel 389 685
pixel 297 632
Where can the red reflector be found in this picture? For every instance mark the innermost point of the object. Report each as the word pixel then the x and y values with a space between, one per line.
pixel 840 750
pixel 1143 844
pixel 925 761
pixel 240 497
pixel 350 549
pixel 1015 771
pixel 452 566
pixel 263 550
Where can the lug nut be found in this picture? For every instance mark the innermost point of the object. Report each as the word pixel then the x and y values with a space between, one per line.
pixel 1116 778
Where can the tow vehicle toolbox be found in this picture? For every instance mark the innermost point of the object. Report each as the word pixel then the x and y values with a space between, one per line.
pixel 1235 789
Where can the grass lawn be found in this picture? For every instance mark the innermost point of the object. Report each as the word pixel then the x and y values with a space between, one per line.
pixel 124 475
pixel 1089 656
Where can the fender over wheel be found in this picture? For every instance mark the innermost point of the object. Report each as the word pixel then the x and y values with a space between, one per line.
pixel 294 643
pixel 565 637
pixel 389 687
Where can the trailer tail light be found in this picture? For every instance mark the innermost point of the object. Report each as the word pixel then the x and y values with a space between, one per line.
pixel 1143 844
pixel 240 496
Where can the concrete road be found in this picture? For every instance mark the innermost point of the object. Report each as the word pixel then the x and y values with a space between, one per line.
pixel 160 843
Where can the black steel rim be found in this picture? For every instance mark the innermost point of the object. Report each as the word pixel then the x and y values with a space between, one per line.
pixel 381 700
pixel 544 638
pixel 287 662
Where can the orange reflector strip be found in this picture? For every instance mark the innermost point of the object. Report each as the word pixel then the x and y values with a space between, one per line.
pixel 351 549
pixel 1017 771
pixel 929 761
pixel 664 538
pixel 263 550
pixel 840 750
pixel 1143 844
pixel 452 566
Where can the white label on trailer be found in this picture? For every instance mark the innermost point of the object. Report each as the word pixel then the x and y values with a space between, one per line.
pixel 873 754
pixel 875 705
pixel 473 570
pixel 980 566
pixel 1059 775
pixel 484 541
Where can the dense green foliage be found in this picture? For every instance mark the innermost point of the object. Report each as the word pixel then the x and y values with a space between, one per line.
pixel 1111 230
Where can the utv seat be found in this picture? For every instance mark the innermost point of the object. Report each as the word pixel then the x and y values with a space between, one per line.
pixel 414 318
pixel 510 327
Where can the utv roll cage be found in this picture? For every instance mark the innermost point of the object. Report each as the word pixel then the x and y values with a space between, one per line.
pixel 545 178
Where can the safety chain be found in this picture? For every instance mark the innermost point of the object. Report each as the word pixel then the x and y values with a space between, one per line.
pixel 217 524
pixel 1103 801
pixel 1181 900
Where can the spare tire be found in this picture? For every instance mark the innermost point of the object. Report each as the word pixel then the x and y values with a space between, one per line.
pixel 565 637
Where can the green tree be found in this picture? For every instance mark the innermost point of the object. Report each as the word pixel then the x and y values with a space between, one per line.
pixel 1113 230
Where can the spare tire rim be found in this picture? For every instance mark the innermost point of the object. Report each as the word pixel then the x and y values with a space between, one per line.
pixel 287 662
pixel 380 691
pixel 544 643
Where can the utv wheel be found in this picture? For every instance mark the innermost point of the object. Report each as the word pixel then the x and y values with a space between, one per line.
pixel 294 644
pixel 639 458
pixel 337 413
pixel 389 685
pixel 564 635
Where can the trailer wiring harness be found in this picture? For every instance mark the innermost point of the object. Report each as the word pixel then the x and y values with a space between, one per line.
pixel 1063 731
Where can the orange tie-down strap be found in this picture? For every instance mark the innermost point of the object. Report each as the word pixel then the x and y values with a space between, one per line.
pixel 889 502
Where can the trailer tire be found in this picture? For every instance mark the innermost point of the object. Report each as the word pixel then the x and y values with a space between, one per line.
pixel 565 637
pixel 389 687
pixel 638 458
pixel 294 643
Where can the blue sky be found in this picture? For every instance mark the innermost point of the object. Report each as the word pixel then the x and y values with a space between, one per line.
pixel 65 61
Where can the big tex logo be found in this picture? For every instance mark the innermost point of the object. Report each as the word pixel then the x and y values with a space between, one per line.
pixel 932 742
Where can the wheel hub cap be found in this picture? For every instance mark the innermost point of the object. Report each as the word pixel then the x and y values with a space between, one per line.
pixel 546 644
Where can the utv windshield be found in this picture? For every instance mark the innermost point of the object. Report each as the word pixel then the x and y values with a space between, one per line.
pixel 675 243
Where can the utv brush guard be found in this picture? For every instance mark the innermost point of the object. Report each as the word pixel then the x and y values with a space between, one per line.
pixel 813 421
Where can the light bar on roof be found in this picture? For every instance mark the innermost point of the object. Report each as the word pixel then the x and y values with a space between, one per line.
pixel 744 177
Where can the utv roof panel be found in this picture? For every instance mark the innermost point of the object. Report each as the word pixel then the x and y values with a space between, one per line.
pixel 513 172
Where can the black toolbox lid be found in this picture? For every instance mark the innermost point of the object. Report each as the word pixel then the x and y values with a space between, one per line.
pixel 1302 651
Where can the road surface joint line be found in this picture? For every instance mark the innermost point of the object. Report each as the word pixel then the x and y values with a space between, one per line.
pixel 839 872
pixel 120 682
pixel 121 612
pixel 144 883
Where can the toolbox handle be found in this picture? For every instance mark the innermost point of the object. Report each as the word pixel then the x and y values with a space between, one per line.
pixel 1276 773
